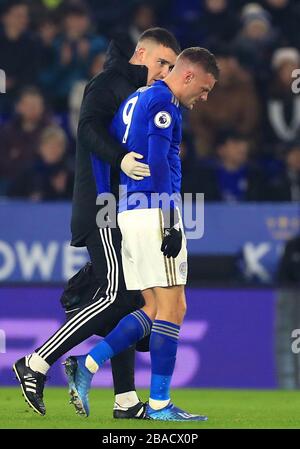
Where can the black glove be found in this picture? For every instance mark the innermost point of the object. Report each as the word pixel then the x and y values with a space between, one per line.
pixel 172 241
pixel 172 237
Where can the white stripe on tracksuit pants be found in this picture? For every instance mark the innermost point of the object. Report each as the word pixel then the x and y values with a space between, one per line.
pixel 97 307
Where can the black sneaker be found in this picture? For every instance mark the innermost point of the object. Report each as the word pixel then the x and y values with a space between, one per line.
pixel 32 384
pixel 135 412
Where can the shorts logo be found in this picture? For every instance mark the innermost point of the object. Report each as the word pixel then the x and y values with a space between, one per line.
pixel 183 269
pixel 163 119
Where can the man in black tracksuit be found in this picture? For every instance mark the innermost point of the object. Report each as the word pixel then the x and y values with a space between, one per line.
pixel 152 59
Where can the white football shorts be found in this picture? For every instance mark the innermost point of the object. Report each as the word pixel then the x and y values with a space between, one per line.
pixel 144 264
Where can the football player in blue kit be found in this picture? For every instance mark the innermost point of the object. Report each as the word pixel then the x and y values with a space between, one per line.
pixel 154 253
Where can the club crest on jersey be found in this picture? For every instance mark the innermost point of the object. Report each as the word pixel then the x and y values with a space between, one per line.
pixel 162 119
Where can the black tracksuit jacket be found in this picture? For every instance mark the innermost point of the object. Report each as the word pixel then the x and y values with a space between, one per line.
pixel 102 97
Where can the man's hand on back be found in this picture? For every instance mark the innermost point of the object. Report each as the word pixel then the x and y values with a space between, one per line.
pixel 133 168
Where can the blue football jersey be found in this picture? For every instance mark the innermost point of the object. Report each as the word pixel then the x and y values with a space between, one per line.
pixel 149 112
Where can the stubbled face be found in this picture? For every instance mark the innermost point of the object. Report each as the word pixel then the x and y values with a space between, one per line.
pixel 158 59
pixel 197 85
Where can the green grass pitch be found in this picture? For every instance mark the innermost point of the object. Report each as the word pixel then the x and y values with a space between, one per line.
pixel 225 409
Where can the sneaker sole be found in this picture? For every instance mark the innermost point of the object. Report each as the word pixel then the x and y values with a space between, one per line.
pixel 176 420
pixel 24 393
pixel 70 370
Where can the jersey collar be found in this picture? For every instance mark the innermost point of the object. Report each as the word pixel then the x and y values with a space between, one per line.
pixel 174 98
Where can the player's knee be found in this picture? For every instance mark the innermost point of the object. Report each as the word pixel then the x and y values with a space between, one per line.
pixel 150 310
pixel 173 316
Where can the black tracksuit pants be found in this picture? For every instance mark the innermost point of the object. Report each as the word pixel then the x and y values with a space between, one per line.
pixel 100 315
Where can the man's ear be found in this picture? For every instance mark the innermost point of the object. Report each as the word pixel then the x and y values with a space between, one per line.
pixel 188 76
pixel 140 53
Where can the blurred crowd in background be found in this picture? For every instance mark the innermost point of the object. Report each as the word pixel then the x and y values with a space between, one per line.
pixel 242 145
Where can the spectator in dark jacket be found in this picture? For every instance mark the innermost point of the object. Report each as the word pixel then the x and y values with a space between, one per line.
pixel 74 51
pixel 18 51
pixel 189 165
pixel 256 41
pixel 233 104
pixel 19 137
pixel 282 106
pixel 285 17
pixel 289 265
pixel 77 91
pixel 286 186
pixel 198 22
pixel 47 31
pixel 231 178
pixel 49 178
pixel 218 23
pixel 142 17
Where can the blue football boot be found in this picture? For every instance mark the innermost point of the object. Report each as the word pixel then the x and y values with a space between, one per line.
pixel 172 413
pixel 79 380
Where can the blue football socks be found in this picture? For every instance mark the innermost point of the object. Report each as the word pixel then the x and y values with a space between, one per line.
pixel 163 349
pixel 130 329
